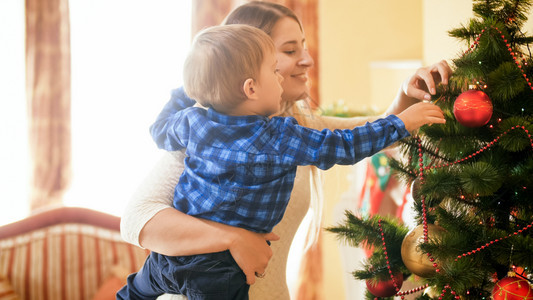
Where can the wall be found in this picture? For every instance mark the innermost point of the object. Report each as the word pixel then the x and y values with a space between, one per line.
pixel 353 34
pixel 439 17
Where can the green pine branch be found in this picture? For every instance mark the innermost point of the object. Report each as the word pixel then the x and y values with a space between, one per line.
pixel 365 233
pixel 478 182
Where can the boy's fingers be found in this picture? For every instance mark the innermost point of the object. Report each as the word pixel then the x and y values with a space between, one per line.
pixel 437 119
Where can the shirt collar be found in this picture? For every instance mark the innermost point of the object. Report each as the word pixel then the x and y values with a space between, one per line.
pixel 233 120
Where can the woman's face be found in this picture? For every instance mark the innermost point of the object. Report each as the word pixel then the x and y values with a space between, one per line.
pixel 293 59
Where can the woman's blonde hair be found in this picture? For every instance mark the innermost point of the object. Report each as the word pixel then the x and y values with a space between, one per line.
pixel 260 14
pixel 221 59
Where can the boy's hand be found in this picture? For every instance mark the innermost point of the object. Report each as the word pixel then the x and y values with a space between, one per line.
pixel 421 114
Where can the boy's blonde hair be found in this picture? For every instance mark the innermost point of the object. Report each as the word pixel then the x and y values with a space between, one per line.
pixel 221 59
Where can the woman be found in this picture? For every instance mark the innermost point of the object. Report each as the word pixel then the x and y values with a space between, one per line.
pixel 151 222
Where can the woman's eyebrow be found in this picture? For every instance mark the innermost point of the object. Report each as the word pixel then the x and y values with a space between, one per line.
pixel 294 42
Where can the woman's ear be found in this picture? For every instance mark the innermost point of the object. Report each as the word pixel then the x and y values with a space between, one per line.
pixel 249 88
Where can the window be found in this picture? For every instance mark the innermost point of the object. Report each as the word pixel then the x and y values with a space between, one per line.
pixel 126 57
pixel 13 128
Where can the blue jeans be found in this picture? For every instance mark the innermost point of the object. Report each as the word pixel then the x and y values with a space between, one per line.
pixel 206 276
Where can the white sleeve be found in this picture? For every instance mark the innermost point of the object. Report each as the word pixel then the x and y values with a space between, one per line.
pixel 154 194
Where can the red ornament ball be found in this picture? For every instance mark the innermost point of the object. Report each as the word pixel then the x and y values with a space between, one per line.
pixel 512 288
pixel 385 288
pixel 472 108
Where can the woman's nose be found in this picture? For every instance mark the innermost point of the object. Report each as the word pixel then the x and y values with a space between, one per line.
pixel 306 59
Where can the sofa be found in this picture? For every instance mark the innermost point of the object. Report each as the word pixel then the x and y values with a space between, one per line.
pixel 66 253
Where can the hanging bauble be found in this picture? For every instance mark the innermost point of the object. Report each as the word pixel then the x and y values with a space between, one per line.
pixel 472 108
pixel 512 287
pixel 413 258
pixel 385 288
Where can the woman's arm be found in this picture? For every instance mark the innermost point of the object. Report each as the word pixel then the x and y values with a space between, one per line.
pixel 153 195
pixel 150 221
pixel 418 87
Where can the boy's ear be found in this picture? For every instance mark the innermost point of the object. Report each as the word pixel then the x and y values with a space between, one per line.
pixel 249 88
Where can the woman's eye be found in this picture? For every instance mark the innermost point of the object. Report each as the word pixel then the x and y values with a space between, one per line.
pixel 290 52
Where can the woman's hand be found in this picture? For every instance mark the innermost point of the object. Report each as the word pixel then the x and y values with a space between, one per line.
pixel 420 86
pixel 251 252
pixel 423 83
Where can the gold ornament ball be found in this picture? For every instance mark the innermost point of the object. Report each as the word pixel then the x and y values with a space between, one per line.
pixel 415 260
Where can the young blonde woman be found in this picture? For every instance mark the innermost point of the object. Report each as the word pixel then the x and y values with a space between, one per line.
pixel 151 222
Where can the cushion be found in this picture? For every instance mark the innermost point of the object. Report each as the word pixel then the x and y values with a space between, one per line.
pixel 112 284
pixel 109 288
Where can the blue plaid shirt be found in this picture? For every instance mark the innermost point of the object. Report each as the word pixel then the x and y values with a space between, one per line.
pixel 240 170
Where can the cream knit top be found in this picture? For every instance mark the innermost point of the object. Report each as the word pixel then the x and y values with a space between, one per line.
pixel 157 190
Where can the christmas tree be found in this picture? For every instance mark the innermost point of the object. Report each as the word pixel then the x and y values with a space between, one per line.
pixel 471 178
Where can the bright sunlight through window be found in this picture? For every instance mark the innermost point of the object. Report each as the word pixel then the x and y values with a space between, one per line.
pixel 126 57
pixel 13 130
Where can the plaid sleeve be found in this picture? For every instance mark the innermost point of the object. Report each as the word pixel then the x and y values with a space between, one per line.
pixel 163 131
pixel 326 148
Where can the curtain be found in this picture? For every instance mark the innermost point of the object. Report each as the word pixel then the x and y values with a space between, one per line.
pixel 48 99
pixel 310 278
pixel 207 13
